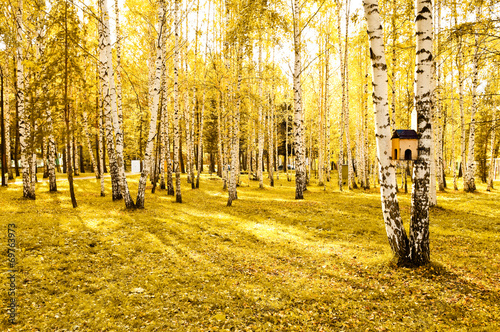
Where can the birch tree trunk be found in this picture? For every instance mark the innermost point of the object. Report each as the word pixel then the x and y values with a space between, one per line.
pixel 327 111
pixel 202 115
pixel 116 112
pixel 155 99
pixel 220 165
pixel 104 78
pixel 469 174
pixel 118 68
pixel 100 131
pixel 351 182
pixel 7 126
pixel 165 103
pixel 3 153
pixel 396 233
pixel 24 118
pixel 270 141
pixel 260 123
pixel 89 145
pixel 51 153
pixel 68 130
pixel 163 128
pixel 176 169
pixel 419 224
pixel 235 138
pixel 298 123
pixel 452 112
pixel 342 110
pixel 492 152
pixel 321 133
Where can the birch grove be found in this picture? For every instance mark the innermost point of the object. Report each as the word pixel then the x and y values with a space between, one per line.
pixel 230 95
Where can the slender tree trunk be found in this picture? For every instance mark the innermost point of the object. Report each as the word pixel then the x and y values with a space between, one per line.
pixel 270 149
pixel 419 225
pixel 350 178
pixel 163 128
pixel 104 77
pixel 165 112
pixel 7 124
pixel 2 125
pixel 24 118
pixel 178 196
pixel 396 233
pixel 492 151
pixel 115 108
pixel 327 110
pixel 300 180
pixel 452 112
pixel 469 174
pixel 235 138
pixel 220 163
pixel 342 110
pixel 69 130
pixel 260 122
pixel 321 145
pixel 89 144
pixel 155 99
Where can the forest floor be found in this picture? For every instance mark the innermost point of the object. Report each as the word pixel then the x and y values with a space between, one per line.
pixel 269 263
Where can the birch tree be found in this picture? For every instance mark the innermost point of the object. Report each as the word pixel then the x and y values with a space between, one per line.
pixel 469 182
pixel 415 249
pixel 419 225
pixel 176 169
pixel 298 120
pixel 23 116
pixel 155 99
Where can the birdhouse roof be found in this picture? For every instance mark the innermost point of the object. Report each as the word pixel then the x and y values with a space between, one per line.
pixel 405 134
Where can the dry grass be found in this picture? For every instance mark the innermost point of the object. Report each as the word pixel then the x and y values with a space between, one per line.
pixel 268 263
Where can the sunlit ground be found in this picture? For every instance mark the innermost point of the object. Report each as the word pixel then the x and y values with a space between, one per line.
pixel 268 263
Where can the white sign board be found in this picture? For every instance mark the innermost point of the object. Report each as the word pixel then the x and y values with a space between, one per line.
pixel 136 166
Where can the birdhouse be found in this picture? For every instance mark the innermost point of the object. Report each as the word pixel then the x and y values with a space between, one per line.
pixel 404 144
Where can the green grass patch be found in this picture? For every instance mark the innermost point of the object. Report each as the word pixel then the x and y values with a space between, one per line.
pixel 269 263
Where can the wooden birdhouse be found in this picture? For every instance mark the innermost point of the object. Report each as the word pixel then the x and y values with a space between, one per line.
pixel 404 144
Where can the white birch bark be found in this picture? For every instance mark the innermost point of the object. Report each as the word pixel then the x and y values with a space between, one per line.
pixel 89 144
pixel 118 68
pixel 165 110
pixel 469 174
pixel 202 115
pixel 350 169
pixel 7 125
pixel 176 168
pixel 155 100
pixel 220 165
pixel 321 132
pixel 51 153
pixel 342 109
pixel 24 118
pixel 419 224
pixel 390 207
pixel 492 152
pixel 100 131
pixel 270 147
pixel 116 109
pixel 327 112
pixel 235 137
pixel 300 176
pixel 432 156
pixel 260 137
pixel 104 77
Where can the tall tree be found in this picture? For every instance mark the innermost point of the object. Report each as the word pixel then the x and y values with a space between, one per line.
pixel 298 120
pixel 148 155
pixel 23 115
